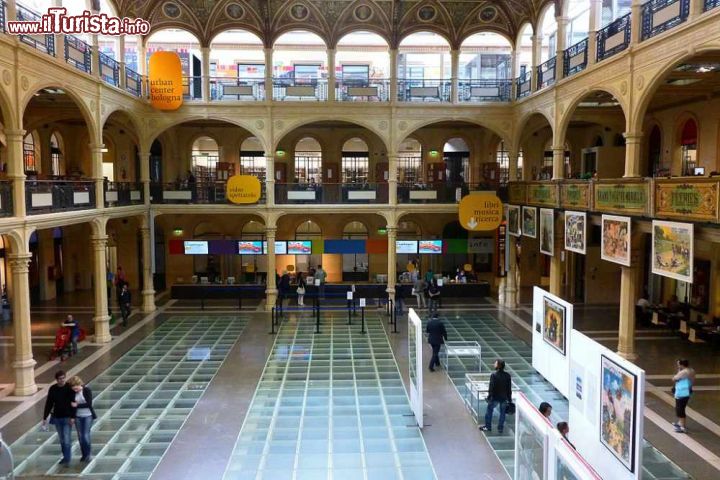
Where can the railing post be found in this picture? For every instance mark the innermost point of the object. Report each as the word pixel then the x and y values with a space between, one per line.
pixel 635 22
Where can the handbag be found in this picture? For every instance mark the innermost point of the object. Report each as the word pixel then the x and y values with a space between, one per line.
pixel 510 408
pixel 413 292
pixel 301 291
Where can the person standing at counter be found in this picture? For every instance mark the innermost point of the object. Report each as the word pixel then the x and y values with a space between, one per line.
pixel 283 287
pixel 419 291
pixel 320 276
pixel 301 288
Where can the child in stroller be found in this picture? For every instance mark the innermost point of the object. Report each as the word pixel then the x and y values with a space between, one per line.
pixel 63 343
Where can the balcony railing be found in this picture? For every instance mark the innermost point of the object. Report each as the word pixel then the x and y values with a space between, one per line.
pixel 51 196
pixel 3 16
pixel 6 199
pixel 524 84
pixel 576 58
pixel 451 192
pixel 484 90
pixel 659 16
pixel 546 73
pixel 192 88
pixel 120 194
pixel 202 194
pixel 109 70
pixel 44 43
pixel 331 193
pixel 133 82
pixel 424 90
pixel 614 38
pixel 710 4
pixel 78 53
pixel 290 89
pixel 372 90
pixel 237 89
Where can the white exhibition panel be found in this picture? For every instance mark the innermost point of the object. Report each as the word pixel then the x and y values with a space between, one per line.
pixel 565 462
pixel 361 194
pixel 177 195
pixel 81 198
pixel 362 91
pixel 135 195
pixel 41 200
pixel 301 195
pixel 415 345
pixel 547 356
pixel 111 196
pixel 586 411
pixel 423 195
pixel 531 441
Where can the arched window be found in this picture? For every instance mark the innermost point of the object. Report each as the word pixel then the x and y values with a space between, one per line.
pixel 31 152
pixel 614 9
pixel 655 152
pixel 300 58
pixel 410 162
pixel 456 154
pixel 237 54
pixel 578 13
pixel 311 231
pixel 424 56
pixel 355 265
pixel 360 57
pixel 56 153
pixel 485 56
pixel 187 47
pixel 548 31
pixel 308 161
pixel 355 161
pixel 205 156
pixel 524 43
pixel 688 148
pixel 252 158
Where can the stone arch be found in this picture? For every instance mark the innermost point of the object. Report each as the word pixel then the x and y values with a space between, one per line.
pixel 563 119
pixel 158 131
pixel 402 137
pixel 281 134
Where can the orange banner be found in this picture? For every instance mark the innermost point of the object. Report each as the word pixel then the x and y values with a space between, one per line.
pixel 166 83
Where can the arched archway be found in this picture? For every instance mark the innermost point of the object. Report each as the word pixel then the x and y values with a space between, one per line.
pixel 688 147
pixel 365 79
pixel 355 161
pixel 424 68
pixel 535 131
pixel 654 152
pixel 234 79
pixel 252 158
pixel 300 66
pixel 188 48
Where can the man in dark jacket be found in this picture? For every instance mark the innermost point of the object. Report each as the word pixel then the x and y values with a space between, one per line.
pixel 125 304
pixel 436 337
pixel 499 394
pixel 58 403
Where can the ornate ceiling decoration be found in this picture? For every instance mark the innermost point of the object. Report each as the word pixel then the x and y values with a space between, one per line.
pixel 332 19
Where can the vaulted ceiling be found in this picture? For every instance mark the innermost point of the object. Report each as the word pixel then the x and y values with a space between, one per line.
pixel 332 19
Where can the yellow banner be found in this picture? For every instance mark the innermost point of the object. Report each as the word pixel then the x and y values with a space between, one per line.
pixel 480 212
pixel 166 82
pixel 243 189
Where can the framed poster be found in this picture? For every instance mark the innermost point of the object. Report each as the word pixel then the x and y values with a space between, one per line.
pixel 672 250
pixel 615 241
pixel 554 330
pixel 529 222
pixel 575 232
pixel 514 220
pixel 547 231
pixel 618 393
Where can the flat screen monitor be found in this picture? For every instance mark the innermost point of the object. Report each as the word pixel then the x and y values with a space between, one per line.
pixel 406 246
pixel 280 247
pixel 299 247
pixel 432 247
pixel 250 248
pixel 699 171
pixel 196 247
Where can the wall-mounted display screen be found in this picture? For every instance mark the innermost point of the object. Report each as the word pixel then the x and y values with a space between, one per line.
pixel 430 246
pixel 250 248
pixel 280 247
pixel 195 247
pixel 299 247
pixel 406 246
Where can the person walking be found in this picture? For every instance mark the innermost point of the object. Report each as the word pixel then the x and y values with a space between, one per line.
pixel 437 334
pixel 110 281
pixel 684 379
pixel 58 407
pixel 125 300
pixel 301 284
pixel 84 414
pixel 499 394
pixel 283 287
pixel 119 281
pixel 419 291
pixel 74 327
pixel 433 297
pixel 320 276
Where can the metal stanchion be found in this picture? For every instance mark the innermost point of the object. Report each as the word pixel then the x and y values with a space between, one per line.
pixel 317 316
pixel 350 311
pixel 394 320
pixel 239 302
pixel 272 321
pixel 362 313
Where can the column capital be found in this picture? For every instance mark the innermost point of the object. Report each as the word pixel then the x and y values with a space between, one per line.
pixel 20 262
pixel 99 241
pixel 270 231
pixel 96 147
pixel 558 148
pixel 391 230
pixel 14 134
pixel 633 137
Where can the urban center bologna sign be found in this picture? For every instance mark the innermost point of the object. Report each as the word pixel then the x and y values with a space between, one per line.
pixel 480 212
pixel 243 189
pixel 166 83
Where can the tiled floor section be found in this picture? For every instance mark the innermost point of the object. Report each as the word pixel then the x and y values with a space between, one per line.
pixel 330 406
pixel 497 342
pixel 142 401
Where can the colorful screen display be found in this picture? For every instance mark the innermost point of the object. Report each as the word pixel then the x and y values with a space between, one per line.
pixel 299 247
pixel 250 248
pixel 433 247
pixel 406 246
pixel 195 247
pixel 280 247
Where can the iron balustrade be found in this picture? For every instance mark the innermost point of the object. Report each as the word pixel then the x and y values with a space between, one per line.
pixel 119 194
pixel 423 89
pixel 710 4
pixel 291 89
pixel 445 192
pixel 613 38
pixel 109 69
pixel 659 16
pixel 133 82
pixel 477 90
pixel 546 73
pixel 3 16
pixel 78 53
pixel 237 89
pixel 524 85
pixel 192 88
pixel 576 58
pixel 372 90
pixel 6 199
pixel 331 193
pixel 51 196
pixel 44 43
pixel 197 194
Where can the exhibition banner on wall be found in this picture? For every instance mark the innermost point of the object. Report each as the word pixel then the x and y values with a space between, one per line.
pixel 529 223
pixel 606 404
pixel 552 322
pixel 531 441
pixel 415 365
pixel 672 250
pixel 575 232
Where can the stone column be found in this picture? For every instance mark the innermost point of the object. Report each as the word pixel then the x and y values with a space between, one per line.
pixel 45 156
pixel 120 58
pixel 271 292
pixel 96 151
pixel 332 81
pixel 95 53
pixel 145 176
pixel 142 65
pixel 392 178
pixel 59 39
pixel 696 9
pixel 393 75
pixel 513 165
pixel 16 169
pixel 556 263
pixel 11 9
pixel 633 147
pixel 595 19
pixel 511 275
pixel 101 318
pixel 561 45
pixel 558 162
pixel 455 75
pixel 628 289
pixel 635 22
pixel 46 259
pixel 392 261
pixel 24 364
pixel 148 293
pixel 268 73
pixel 536 56
pixel 514 56
pixel 205 80
pixel 270 180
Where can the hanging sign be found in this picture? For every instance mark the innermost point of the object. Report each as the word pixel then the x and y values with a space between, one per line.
pixel 480 212
pixel 243 189
pixel 166 82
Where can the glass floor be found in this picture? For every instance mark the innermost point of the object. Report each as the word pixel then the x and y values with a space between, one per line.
pixel 142 401
pixel 497 341
pixel 330 406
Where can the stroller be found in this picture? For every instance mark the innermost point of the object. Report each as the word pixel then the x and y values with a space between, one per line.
pixel 63 344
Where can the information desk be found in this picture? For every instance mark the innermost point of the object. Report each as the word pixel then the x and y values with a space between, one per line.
pixel 211 291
